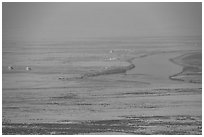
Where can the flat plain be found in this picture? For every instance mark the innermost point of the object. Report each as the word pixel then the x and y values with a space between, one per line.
pixel 145 85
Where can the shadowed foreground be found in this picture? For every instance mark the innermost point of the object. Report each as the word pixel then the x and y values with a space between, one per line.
pixel 171 125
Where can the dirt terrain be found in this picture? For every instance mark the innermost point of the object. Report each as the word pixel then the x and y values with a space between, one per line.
pixel 134 86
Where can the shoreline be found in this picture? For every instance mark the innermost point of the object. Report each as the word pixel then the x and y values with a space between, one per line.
pixel 117 70
pixel 109 70
pixel 189 71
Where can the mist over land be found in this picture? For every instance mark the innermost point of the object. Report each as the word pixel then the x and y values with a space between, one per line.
pixel 102 68
pixel 62 21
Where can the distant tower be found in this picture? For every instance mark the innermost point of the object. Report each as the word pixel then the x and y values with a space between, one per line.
pixel 28 68
pixel 10 68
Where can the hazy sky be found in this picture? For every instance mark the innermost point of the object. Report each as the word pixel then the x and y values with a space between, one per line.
pixel 61 21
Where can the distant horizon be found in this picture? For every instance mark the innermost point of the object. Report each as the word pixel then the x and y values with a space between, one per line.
pixel 101 38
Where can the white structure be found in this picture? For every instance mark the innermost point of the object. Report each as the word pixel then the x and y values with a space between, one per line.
pixel 111 59
pixel 61 78
pixel 28 68
pixel 10 68
pixel 111 51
